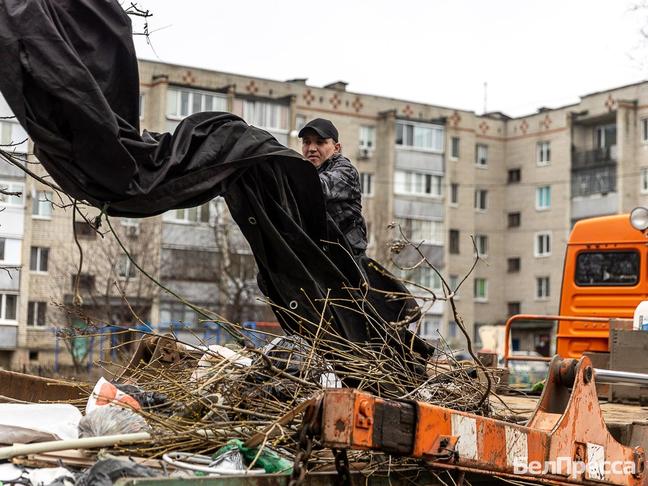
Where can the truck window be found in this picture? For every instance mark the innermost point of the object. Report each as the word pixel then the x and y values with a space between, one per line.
pixel 603 268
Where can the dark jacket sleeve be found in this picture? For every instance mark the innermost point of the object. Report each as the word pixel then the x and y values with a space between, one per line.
pixel 341 182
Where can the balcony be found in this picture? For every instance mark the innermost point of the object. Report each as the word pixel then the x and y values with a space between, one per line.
pixel 594 180
pixel 586 159
pixel 8 337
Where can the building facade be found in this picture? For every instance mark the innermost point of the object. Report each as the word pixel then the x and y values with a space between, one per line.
pixel 455 183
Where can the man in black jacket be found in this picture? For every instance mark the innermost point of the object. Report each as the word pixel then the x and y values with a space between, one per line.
pixel 340 180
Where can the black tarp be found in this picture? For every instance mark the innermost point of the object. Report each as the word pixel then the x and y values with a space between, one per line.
pixel 69 72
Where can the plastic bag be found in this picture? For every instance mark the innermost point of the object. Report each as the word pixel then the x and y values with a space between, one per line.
pixel 105 393
pixel 269 460
pixel 111 421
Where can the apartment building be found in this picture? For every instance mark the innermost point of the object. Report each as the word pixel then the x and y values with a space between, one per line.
pixel 455 182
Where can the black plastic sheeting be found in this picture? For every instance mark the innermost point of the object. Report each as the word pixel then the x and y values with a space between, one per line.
pixel 68 70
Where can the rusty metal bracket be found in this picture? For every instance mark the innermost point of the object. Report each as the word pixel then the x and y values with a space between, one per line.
pixel 566 440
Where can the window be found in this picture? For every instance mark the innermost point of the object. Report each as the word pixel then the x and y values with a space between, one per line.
pixel 3 244
pixel 543 244
pixel 86 282
pixel 33 355
pixel 453 282
pixel 454 193
pixel 84 230
pixel 131 226
pixel 513 264
pixel 430 327
pixel 42 205
pixel 602 268
pixel 482 245
pixel 481 155
pixel 14 199
pixel 543 197
pixel 454 241
pixel 36 313
pixel 264 114
pixel 198 214
pixel 426 277
pixel 182 102
pixel 513 308
pixel 644 180
pixel 141 105
pixel 454 148
pixel 367 138
pixel 605 136
pixel 419 136
pixel 481 199
pixel 176 313
pixel 418 230
pixel 644 130
pixel 514 176
pixel 8 307
pixel 513 219
pixel 542 287
pixel 38 259
pixel 480 292
pixel 13 137
pixel 125 267
pixel 366 183
pixel 300 121
pixel 417 183
pixel 543 153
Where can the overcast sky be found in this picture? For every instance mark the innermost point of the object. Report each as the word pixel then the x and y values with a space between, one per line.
pixel 531 53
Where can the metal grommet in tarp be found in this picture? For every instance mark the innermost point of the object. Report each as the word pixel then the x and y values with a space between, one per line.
pixel 293 304
pixel 252 220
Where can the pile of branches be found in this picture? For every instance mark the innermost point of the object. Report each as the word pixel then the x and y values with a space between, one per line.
pixel 238 392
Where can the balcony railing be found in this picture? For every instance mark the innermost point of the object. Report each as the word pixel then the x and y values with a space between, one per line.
pixel 584 159
pixel 598 180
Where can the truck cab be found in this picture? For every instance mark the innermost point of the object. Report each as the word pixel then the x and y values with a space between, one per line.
pixel 605 274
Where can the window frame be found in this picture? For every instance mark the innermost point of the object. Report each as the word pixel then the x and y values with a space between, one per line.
pixel 538 247
pixel 3 308
pixel 12 186
pixel 126 264
pixel 481 242
pixel 368 176
pixel 478 207
pixel 455 148
pixel 438 128
pixel 484 297
pixel 171 216
pixel 369 130
pixel 404 179
pixel 37 264
pixel 543 153
pixel 454 235
pixel 539 199
pixel 481 147
pixel 644 129
pixel 453 200
pixel 177 115
pixel 539 287
pixel 38 204
pixel 643 179
pixel 33 307
pixel 416 231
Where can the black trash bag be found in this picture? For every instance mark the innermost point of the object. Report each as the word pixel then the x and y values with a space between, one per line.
pixel 147 399
pixel 68 70
pixel 107 471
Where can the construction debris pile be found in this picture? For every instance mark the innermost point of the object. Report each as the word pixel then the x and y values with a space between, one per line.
pixel 239 410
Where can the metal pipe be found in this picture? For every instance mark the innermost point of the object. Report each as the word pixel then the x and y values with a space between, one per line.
pixel 614 377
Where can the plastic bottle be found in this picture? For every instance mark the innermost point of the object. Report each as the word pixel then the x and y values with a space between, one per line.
pixel 640 321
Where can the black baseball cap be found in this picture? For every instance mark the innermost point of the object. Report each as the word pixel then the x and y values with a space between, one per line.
pixel 324 128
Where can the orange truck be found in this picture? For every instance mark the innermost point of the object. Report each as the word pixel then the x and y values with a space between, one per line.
pixel 605 277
